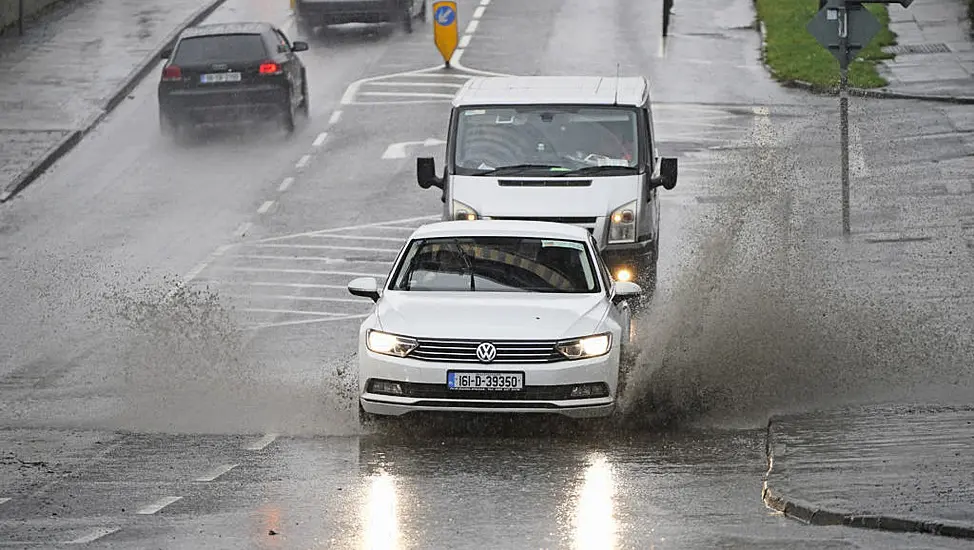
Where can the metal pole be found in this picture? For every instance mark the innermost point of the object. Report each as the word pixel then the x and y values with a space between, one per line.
pixel 20 17
pixel 844 112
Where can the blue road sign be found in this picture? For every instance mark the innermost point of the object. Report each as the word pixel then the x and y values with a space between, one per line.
pixel 444 16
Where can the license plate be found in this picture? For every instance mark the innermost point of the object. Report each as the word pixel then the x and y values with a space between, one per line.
pixel 494 381
pixel 214 78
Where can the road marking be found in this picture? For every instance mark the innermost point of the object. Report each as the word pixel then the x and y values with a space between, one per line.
pixel 360 238
pixel 261 443
pixel 94 535
pixel 300 298
pixel 2 500
pixel 242 229
pixel 303 272
pixel 465 41
pixel 294 312
pixel 285 184
pixel 478 13
pixel 331 247
pixel 419 84
pixel 408 94
pixel 325 232
pixel 319 141
pixel 310 321
pixel 265 207
pixel 285 285
pixel 472 27
pixel 303 161
pixel 484 2
pixel 324 259
pixel 216 472
pixel 158 505
pixel 335 117
pixel 398 150
pixel 193 273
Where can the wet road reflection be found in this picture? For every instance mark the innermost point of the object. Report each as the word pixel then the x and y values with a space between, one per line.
pixel 594 514
pixel 381 529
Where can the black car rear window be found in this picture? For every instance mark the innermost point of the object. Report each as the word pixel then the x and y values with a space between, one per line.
pixel 226 48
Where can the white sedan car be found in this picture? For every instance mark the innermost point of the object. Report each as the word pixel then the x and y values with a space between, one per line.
pixel 494 316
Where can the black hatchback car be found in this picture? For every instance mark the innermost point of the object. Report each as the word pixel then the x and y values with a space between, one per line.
pixel 230 74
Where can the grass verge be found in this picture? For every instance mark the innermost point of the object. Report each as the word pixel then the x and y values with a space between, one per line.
pixel 793 54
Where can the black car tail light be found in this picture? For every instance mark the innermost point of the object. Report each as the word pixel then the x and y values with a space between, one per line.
pixel 172 72
pixel 270 68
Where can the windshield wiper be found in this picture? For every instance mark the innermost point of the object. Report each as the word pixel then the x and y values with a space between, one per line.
pixel 515 168
pixel 591 170
pixel 466 260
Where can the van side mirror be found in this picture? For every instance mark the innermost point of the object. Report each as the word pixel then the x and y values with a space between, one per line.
pixel 667 174
pixel 166 53
pixel 426 173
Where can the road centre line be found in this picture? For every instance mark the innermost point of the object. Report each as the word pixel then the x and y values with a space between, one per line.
pixel 285 184
pixel 472 27
pixel 216 472
pixel 303 161
pixel 335 117
pixel 261 443
pixel 320 140
pixel 484 2
pixel 158 505
pixel 303 272
pixel 465 41
pixel 479 12
pixel 265 207
pixel 294 312
pixel 299 298
pixel 331 231
pixel 94 535
pixel 330 247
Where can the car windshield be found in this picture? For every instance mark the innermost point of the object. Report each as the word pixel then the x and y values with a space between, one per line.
pixel 225 48
pixel 496 264
pixel 546 140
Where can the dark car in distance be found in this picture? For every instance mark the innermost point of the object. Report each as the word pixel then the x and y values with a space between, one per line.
pixel 311 13
pixel 233 73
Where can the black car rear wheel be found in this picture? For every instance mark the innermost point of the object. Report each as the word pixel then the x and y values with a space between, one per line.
pixel 305 100
pixel 287 116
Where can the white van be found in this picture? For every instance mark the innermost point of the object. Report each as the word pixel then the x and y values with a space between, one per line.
pixel 578 150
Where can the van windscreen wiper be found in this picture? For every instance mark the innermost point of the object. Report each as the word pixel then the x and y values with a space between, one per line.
pixel 516 168
pixel 602 171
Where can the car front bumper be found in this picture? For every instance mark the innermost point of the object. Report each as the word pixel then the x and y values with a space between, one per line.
pixel 546 386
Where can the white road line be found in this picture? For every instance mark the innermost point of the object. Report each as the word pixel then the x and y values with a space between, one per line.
pixel 484 2
pixel 2 500
pixel 360 238
pixel 261 443
pixel 242 229
pixel 402 102
pixel 478 13
pixel 330 247
pixel 285 184
pixel 335 117
pixel 465 41
pixel 322 232
pixel 216 472
pixel 408 94
pixel 303 161
pixel 194 273
pixel 472 27
pixel 324 259
pixel 94 535
pixel 285 285
pixel 303 272
pixel 265 207
pixel 294 312
pixel 300 298
pixel 158 505
pixel 319 141
pixel 419 84
pixel 310 321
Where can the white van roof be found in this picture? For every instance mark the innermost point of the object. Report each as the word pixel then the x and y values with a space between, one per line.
pixel 564 90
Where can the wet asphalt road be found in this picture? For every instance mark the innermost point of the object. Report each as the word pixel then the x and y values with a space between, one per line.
pixel 121 430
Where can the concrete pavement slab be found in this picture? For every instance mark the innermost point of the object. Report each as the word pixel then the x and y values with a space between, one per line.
pixel 72 67
pixel 898 468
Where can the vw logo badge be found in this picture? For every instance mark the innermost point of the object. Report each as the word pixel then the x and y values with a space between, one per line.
pixel 486 352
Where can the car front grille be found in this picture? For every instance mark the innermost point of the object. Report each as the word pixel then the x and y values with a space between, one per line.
pixel 508 351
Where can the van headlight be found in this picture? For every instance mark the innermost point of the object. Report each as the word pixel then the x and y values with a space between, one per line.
pixel 622 224
pixel 583 348
pixel 463 212
pixel 389 344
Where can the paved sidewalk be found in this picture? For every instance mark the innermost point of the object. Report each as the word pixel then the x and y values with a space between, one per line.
pixel 60 75
pixel 934 51
pixel 912 467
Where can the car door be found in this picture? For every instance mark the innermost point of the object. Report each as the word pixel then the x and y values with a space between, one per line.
pixel 292 65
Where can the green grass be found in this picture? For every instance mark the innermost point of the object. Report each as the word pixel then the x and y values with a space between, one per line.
pixel 793 54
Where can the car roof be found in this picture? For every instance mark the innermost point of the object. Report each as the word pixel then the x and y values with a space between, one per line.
pixel 501 228
pixel 577 90
pixel 215 29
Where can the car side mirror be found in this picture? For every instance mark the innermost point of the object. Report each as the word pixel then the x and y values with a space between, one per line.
pixel 667 174
pixel 166 53
pixel 366 287
pixel 426 173
pixel 622 290
pixel 299 46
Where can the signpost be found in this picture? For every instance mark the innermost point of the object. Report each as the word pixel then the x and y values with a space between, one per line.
pixel 445 33
pixel 845 27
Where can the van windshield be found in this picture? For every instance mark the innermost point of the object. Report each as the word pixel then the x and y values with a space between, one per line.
pixel 547 140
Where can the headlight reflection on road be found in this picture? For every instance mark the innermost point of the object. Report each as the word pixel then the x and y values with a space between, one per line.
pixel 381 514
pixel 594 521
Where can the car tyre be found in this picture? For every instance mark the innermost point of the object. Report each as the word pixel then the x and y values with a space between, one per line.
pixel 305 100
pixel 407 21
pixel 287 116
pixel 423 12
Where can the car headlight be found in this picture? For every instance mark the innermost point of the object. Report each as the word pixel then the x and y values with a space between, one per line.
pixel 463 212
pixel 389 344
pixel 622 224
pixel 583 348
